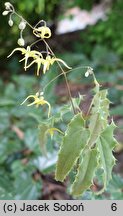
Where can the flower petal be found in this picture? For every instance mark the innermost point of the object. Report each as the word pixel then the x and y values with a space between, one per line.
pixel 49 111
pixel 60 60
pixel 17 49
pixel 52 130
pixel 34 61
pixel 30 96
pixel 33 103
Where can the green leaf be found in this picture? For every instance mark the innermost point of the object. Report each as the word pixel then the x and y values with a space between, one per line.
pixel 99 115
pixel 6 102
pixel 9 145
pixel 117 110
pixel 46 164
pixel 86 172
pixel 25 185
pixel 26 188
pixel 77 101
pixel 31 140
pixel 43 137
pixel 4 121
pixel 5 195
pixel 6 185
pixel 74 141
pixel 106 143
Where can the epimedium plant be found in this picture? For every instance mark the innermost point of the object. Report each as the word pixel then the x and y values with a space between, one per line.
pixel 88 142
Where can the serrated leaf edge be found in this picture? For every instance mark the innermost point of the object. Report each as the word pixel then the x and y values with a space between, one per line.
pixel 66 133
pixel 76 195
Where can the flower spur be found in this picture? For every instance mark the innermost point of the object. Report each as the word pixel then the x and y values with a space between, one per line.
pixel 46 63
pixel 38 100
pixel 52 130
pixel 28 54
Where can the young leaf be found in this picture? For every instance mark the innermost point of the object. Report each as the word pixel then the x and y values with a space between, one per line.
pixel 86 172
pixel 99 115
pixel 106 144
pixel 74 141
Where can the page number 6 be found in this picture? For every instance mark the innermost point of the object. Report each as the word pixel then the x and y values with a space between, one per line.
pixel 114 207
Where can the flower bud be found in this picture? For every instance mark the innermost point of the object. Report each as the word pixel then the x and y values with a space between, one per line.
pixel 10 22
pixel 87 74
pixel 22 25
pixel 21 42
pixel 89 71
pixel 8 5
pixel 5 13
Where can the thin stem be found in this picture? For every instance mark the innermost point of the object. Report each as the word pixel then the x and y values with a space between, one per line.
pixel 40 22
pixel 52 81
pixel 67 85
pixel 35 42
pixel 61 75
pixel 21 33
pixel 89 108
pixel 23 19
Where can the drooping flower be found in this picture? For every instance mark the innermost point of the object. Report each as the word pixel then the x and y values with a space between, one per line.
pixel 22 25
pixel 38 61
pixel 10 22
pixel 28 54
pixel 21 42
pixel 42 32
pixel 5 13
pixel 38 100
pixel 52 130
pixel 89 71
pixel 46 63
pixel 8 6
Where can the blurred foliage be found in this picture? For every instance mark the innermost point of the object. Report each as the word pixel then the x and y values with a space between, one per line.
pixel 107 66
pixel 21 158
pixel 82 4
pixel 52 9
pixel 108 32
pixel 20 152
pixel 114 191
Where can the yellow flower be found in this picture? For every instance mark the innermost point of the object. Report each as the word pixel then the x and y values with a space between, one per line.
pixel 28 53
pixel 38 61
pixel 42 32
pixel 38 100
pixel 46 63
pixel 52 130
